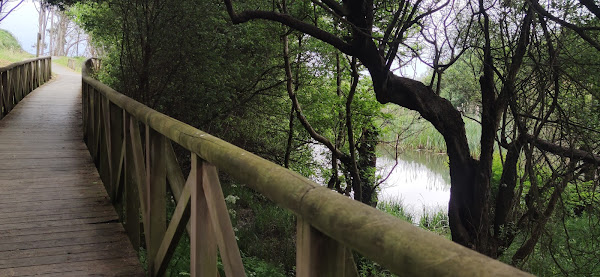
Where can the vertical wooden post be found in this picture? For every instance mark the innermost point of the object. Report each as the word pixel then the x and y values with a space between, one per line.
pixel 116 145
pixel 84 109
pixel 92 121
pixel 228 248
pixel 12 87
pixel 106 153
pixel 320 255
pixel 132 201
pixel 3 89
pixel 138 169
pixel 203 246
pixel 156 189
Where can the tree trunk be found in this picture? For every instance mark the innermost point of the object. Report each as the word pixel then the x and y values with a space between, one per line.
pixel 367 162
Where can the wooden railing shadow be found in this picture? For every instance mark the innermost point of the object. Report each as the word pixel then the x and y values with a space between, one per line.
pixel 329 225
pixel 19 79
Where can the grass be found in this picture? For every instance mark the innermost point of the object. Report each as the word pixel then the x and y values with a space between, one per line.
pixel 64 61
pixel 266 235
pixel 10 49
pixel 417 133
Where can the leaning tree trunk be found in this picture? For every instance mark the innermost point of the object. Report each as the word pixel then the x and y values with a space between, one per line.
pixel 466 210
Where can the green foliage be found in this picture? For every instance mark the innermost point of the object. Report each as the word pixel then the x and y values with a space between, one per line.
pixel 64 61
pixel 256 267
pixel 266 233
pixel 569 246
pixel 436 222
pixel 8 41
pixel 367 268
pixel 415 132
pixel 193 65
pixel 395 208
pixel 460 83
pixel 10 49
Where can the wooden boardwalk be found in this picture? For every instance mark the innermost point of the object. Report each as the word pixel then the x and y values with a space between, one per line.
pixel 55 215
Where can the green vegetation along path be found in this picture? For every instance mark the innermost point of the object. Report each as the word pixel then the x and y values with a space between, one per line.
pixel 55 215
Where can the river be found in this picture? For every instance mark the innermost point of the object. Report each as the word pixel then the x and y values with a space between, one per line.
pixel 420 181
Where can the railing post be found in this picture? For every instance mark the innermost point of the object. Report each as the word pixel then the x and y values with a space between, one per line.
pixel 104 143
pixel 156 189
pixel 228 248
pixel 320 255
pixel 3 91
pixel 84 110
pixel 117 150
pixel 132 196
pixel 12 87
pixel 203 245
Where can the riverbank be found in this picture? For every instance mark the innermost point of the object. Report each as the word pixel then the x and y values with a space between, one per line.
pixel 408 130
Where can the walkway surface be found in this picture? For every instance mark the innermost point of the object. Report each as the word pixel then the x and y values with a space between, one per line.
pixel 55 215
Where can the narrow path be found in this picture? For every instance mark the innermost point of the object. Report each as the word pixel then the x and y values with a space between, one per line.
pixel 55 215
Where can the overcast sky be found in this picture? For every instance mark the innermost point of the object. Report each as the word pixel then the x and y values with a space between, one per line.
pixel 23 24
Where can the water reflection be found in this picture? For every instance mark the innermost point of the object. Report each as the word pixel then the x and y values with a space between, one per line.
pixel 420 180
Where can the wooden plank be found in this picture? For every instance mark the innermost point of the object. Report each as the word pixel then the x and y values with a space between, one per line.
pixel 55 216
pixel 117 151
pixel 174 174
pixel 82 268
pixel 174 231
pixel 132 200
pixel 319 255
pixel 203 246
pixel 139 172
pixel 106 230
pixel 29 218
pixel 156 188
pixel 107 148
pixel 228 248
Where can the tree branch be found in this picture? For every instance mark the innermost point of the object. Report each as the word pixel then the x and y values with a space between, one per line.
pixel 563 151
pixel 591 6
pixel 580 31
pixel 296 106
pixel 290 22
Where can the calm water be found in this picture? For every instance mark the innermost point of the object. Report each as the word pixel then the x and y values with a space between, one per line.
pixel 420 181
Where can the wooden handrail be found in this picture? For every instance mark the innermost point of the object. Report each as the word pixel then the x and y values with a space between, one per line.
pixel 19 79
pixel 329 224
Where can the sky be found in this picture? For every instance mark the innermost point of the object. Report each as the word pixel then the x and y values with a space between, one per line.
pixel 23 24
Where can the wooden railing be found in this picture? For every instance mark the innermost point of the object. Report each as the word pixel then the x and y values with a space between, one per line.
pixel 19 79
pixel 329 225
pixel 74 64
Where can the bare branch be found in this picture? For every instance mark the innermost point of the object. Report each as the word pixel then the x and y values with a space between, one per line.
pixel 591 6
pixel 563 151
pixel 290 22
pixel 11 10
pixel 579 30
pixel 296 106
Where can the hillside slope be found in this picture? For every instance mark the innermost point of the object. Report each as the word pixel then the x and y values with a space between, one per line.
pixel 10 49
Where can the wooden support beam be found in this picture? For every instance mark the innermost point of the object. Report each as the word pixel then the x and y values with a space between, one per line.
pixel 228 248
pixel 203 246
pixel 176 227
pixel 132 200
pixel 139 171
pixel 116 149
pixel 156 189
pixel 320 255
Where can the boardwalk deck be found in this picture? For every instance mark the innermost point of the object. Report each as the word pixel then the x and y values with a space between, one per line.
pixel 55 216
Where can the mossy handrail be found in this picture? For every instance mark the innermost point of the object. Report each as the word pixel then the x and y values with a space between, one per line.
pixel 328 223
pixel 19 79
